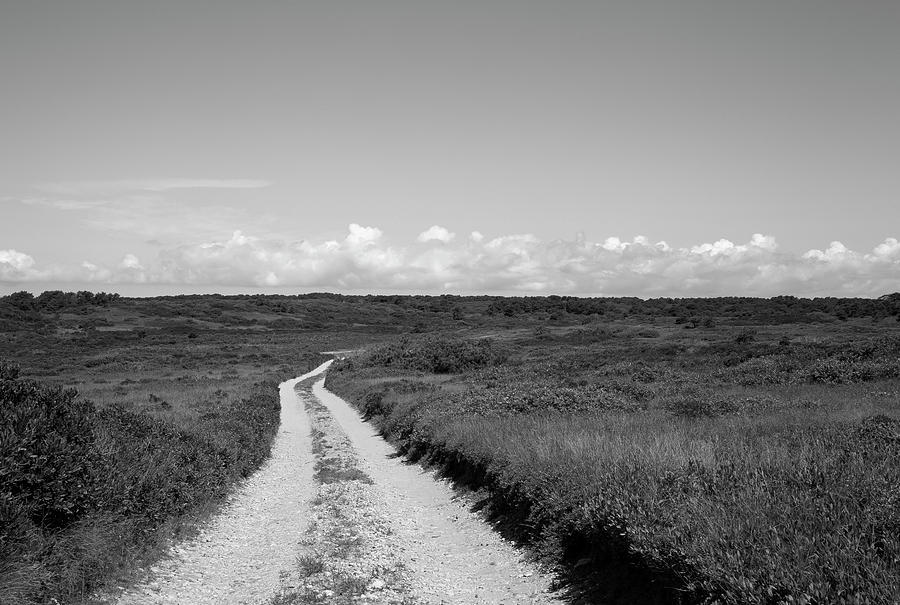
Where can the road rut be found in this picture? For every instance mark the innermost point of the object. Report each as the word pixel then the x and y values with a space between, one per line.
pixel 240 556
pixel 415 542
pixel 453 556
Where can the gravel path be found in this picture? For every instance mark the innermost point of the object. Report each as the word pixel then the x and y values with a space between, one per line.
pixel 240 556
pixel 347 555
pixel 451 555
pixel 335 517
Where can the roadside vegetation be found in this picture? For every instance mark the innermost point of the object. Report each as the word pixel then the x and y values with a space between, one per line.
pixel 671 441
pixel 720 461
pixel 85 491
pixel 124 423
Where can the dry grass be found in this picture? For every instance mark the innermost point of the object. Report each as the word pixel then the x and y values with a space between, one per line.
pixel 713 491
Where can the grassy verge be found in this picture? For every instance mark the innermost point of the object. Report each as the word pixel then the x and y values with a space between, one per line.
pixel 87 492
pixel 346 556
pixel 668 477
pixel 176 402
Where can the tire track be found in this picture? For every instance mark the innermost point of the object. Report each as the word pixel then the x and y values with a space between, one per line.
pixel 452 556
pixel 240 556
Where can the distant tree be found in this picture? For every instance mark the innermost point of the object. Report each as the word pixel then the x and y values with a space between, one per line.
pixel 20 300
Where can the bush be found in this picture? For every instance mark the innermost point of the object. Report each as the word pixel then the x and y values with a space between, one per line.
pixel 439 356
pixel 81 489
pixel 46 453
pixel 726 498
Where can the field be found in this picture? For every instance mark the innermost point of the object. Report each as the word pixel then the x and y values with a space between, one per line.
pixel 176 401
pixel 734 461
pixel 731 450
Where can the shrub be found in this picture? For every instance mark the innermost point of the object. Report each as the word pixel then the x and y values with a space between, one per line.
pixel 745 336
pixel 81 487
pixel 728 498
pixel 439 356
pixel 46 453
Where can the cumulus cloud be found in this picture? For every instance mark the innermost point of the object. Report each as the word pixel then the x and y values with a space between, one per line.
pixel 363 259
pixel 130 261
pixel 16 266
pixel 359 260
pixel 436 233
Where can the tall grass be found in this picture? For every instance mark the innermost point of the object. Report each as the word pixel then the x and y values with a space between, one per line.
pixel 673 485
pixel 85 492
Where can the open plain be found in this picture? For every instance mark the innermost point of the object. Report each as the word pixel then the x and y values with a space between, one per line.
pixel 541 450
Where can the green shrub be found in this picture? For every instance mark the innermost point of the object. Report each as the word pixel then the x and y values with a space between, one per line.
pixel 46 452
pixel 436 355
pixel 729 497
pixel 83 490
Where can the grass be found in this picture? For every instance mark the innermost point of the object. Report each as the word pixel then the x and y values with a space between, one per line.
pixel 658 388
pixel 647 471
pixel 341 559
pixel 336 461
pixel 96 484
pixel 87 492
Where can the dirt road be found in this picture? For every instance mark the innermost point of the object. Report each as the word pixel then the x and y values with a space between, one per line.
pixel 240 556
pixel 451 554
pixel 336 517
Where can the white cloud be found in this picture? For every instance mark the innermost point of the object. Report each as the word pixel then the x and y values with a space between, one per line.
pixel 152 185
pixel 835 253
pixel 364 260
pixel 66 204
pixel 356 261
pixel 360 235
pixel 889 249
pixel 94 273
pixel 153 216
pixel 16 266
pixel 16 260
pixel 130 261
pixel 437 233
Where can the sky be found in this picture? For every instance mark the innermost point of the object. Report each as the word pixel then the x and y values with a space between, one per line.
pixel 666 148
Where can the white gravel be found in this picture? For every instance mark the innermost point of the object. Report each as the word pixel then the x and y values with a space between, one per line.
pixel 405 538
pixel 452 556
pixel 347 555
pixel 241 555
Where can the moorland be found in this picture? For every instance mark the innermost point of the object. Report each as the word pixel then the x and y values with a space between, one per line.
pixel 667 450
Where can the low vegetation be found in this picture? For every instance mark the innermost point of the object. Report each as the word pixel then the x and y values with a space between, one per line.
pixel 731 466
pixel 169 413
pixel 86 489
pixel 731 449
pixel 346 556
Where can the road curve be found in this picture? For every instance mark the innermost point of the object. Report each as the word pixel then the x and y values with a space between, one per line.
pixel 240 555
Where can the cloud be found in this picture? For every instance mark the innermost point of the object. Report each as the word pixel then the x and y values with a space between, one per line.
pixel 66 204
pixel 147 185
pixel 130 261
pixel 436 233
pixel 155 217
pixel 359 260
pixel 16 266
pixel 364 260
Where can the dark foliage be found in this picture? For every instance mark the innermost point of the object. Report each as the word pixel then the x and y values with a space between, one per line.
pixel 69 470
pixel 658 471
pixel 437 355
